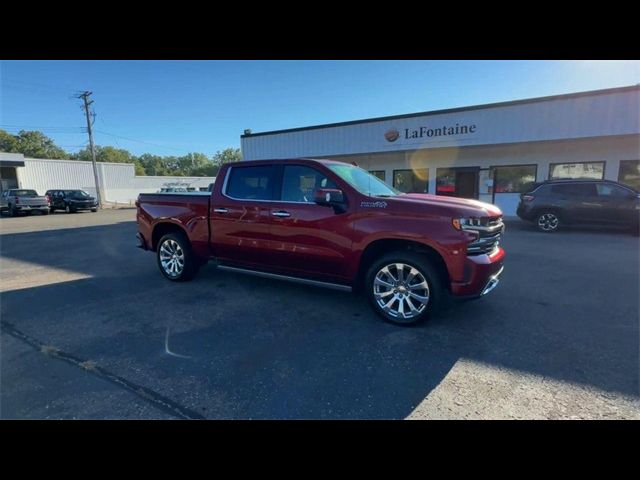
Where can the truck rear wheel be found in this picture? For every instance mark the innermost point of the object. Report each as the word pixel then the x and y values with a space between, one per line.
pixel 403 287
pixel 176 259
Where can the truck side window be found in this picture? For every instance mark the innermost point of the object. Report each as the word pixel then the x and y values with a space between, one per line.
pixel 251 183
pixel 299 183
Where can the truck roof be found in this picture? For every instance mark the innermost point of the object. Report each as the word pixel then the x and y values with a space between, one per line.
pixel 324 161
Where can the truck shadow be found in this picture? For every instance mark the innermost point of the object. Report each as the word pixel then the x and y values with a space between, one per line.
pixel 257 348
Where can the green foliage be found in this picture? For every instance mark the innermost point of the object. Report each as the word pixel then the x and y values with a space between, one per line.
pixel 227 155
pixel 31 144
pixel 8 142
pixel 37 145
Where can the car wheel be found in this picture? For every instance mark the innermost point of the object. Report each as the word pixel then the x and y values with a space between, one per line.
pixel 548 221
pixel 44 212
pixel 94 209
pixel 68 209
pixel 176 259
pixel 404 288
pixel 11 211
pixel 52 210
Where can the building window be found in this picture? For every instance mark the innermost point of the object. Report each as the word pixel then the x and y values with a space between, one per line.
pixel 629 173
pixel 411 181
pixel 446 181
pixel 593 170
pixel 513 179
pixel 381 174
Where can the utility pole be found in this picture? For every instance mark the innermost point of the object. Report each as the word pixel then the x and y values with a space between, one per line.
pixel 85 97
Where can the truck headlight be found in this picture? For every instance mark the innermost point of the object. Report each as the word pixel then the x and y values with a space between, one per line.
pixel 466 223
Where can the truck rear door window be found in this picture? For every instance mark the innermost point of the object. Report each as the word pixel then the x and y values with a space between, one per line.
pixel 251 183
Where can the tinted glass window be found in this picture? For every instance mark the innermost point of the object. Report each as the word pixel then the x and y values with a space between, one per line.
pixel 251 183
pixel 381 174
pixel 300 183
pixel 593 170
pixel 411 181
pixel 575 189
pixel 363 181
pixel 629 173
pixel 514 179
pixel 24 193
pixel 610 190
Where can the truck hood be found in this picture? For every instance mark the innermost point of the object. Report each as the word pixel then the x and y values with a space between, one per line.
pixel 458 206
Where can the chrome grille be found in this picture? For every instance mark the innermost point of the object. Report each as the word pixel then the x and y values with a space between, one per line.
pixel 490 232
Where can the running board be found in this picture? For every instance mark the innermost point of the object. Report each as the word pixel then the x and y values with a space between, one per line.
pixel 304 281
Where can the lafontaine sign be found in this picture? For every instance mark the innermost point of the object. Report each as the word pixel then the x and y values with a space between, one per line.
pixel 408 133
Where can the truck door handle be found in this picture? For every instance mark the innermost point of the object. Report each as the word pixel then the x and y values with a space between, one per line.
pixel 281 213
pixel 220 210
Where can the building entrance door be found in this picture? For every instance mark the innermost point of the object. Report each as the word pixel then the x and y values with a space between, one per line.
pixel 467 183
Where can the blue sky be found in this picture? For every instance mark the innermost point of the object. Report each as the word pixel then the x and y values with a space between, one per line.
pixel 175 107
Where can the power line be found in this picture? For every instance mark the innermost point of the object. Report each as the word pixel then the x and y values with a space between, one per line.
pixel 39 126
pixel 139 141
pixel 38 87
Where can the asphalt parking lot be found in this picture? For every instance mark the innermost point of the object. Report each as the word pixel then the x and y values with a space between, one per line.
pixel 90 329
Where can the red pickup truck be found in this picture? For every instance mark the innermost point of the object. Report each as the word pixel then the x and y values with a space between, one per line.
pixel 329 224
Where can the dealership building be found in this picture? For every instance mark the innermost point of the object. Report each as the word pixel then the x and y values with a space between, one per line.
pixel 487 152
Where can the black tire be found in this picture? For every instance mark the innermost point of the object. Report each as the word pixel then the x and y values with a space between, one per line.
pixel 12 212
pixel 52 210
pixel 548 221
pixel 190 260
pixel 94 209
pixel 420 262
pixel 44 212
pixel 68 209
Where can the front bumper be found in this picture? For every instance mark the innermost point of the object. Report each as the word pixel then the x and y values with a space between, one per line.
pixel 76 206
pixel 482 274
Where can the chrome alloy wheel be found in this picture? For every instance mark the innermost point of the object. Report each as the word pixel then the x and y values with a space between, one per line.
pixel 401 290
pixel 171 258
pixel 548 222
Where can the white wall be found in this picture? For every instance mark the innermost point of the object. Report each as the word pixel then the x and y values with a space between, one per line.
pixel 590 114
pixel 118 181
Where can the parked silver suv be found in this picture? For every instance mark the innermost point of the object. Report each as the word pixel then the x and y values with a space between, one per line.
pixel 18 200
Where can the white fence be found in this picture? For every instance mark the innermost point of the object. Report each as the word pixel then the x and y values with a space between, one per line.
pixel 118 181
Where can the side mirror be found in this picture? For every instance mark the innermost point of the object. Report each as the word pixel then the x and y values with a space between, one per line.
pixel 328 196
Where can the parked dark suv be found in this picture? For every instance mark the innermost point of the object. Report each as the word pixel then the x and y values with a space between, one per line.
pixel 554 203
pixel 71 200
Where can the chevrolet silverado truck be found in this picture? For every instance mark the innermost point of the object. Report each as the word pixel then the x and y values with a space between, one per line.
pixel 20 200
pixel 329 224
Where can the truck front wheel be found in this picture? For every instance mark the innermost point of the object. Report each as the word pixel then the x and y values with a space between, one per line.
pixel 403 287
pixel 176 259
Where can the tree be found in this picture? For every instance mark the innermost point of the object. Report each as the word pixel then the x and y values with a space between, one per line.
pixel 153 164
pixel 106 154
pixel 227 155
pixel 8 142
pixel 37 145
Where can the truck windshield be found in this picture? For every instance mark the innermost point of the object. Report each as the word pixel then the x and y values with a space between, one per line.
pixel 24 193
pixel 76 193
pixel 363 181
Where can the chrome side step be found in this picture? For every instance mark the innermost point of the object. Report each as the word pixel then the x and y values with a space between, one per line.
pixel 275 276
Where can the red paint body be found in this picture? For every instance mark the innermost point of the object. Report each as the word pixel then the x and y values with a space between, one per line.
pixel 317 241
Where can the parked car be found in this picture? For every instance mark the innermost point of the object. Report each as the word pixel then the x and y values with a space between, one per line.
pixel 554 203
pixel 329 224
pixel 71 201
pixel 20 200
